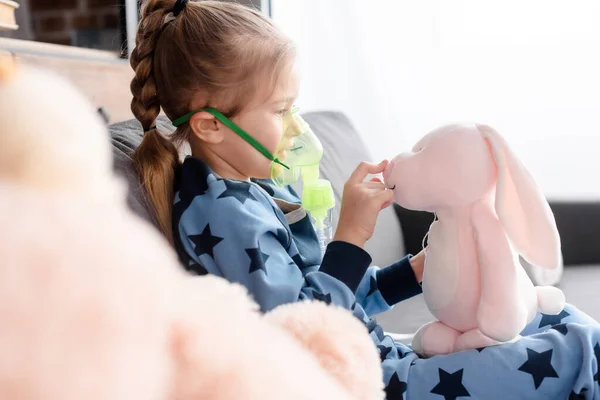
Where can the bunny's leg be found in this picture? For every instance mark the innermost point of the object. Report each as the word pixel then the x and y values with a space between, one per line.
pixel 502 313
pixel 435 338
pixel 474 339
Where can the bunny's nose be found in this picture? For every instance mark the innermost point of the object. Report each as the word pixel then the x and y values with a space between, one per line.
pixel 388 170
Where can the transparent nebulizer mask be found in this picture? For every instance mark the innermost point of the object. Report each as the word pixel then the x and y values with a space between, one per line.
pixel 301 151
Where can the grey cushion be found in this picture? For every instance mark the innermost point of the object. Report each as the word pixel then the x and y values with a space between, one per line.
pixel 343 150
pixel 125 138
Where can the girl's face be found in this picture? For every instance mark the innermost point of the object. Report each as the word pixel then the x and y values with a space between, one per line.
pixel 226 152
pixel 264 122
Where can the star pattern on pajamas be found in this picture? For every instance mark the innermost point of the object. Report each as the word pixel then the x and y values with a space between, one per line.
pixel 383 351
pixel 205 242
pixel 258 260
pixel 578 396
pixel 539 366
pixel 197 172
pixel 553 319
pixel 266 188
pixel 450 385
pixel 326 298
pixel 299 261
pixel 562 328
pixel 238 190
pixel 395 389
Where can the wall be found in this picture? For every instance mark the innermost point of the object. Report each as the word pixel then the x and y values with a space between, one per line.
pixel 401 68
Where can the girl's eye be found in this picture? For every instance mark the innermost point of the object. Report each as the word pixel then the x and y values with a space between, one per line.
pixel 283 112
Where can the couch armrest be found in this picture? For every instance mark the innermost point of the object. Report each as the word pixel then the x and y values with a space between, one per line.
pixel 578 223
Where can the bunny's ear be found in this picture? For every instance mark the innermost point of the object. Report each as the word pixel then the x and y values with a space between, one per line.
pixel 522 207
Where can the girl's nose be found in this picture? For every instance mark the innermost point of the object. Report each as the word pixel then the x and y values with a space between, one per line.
pixel 388 170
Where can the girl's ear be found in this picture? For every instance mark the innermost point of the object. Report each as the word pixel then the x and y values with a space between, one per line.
pixel 207 128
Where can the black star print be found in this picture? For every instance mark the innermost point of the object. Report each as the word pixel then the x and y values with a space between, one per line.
pixel 401 355
pixel 299 261
pixel 384 351
pixel 266 187
pixel 193 178
pixel 597 354
pixel 480 349
pixel 373 286
pixel 395 389
pixel 326 298
pixel 258 260
pixel 575 396
pixel 450 385
pixel 562 328
pixel 539 366
pixel 197 269
pixel 238 190
pixel 190 181
pixel 553 319
pixel 282 237
pixel 205 242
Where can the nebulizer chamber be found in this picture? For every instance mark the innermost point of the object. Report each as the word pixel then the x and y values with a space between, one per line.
pixel 301 152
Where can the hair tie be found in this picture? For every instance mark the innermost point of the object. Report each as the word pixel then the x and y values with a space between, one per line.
pixel 152 127
pixel 179 6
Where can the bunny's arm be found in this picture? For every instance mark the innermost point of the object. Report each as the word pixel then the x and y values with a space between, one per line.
pixel 501 314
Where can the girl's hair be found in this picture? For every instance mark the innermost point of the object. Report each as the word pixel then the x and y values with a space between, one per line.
pixel 215 54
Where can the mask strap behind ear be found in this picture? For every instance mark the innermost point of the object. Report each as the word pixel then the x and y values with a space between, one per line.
pixel 239 131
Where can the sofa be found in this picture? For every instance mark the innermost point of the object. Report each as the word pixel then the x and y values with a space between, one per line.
pixel 400 231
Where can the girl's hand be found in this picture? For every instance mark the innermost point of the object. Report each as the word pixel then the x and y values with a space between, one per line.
pixel 418 265
pixel 361 204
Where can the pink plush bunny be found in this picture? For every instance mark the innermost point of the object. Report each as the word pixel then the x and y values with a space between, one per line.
pixel 489 211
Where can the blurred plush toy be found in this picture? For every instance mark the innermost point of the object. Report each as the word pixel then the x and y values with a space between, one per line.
pixel 489 211
pixel 94 305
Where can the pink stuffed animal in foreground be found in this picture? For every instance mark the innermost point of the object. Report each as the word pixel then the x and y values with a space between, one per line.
pixel 94 304
pixel 490 211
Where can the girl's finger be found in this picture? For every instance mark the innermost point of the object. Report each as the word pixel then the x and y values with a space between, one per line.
pixel 364 169
pixel 385 196
pixel 386 205
pixel 375 185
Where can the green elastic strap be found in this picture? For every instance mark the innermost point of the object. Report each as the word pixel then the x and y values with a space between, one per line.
pixel 228 123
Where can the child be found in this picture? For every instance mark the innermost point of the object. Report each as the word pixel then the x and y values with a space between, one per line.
pixel 217 68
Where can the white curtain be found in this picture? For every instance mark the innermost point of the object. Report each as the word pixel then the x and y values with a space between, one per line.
pixel 400 68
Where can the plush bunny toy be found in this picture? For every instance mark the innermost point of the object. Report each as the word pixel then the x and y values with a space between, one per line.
pixel 489 211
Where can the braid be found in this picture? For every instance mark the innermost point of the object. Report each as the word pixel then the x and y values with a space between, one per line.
pixel 195 57
pixel 156 158
pixel 145 104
